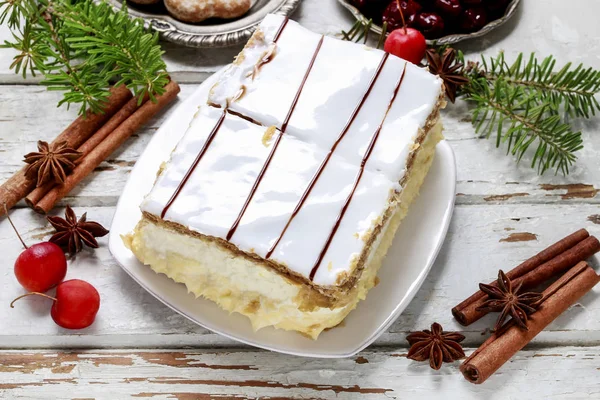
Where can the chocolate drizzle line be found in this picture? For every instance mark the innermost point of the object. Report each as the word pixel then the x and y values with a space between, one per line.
pixel 212 135
pixel 280 30
pixel 317 174
pixel 357 180
pixel 189 172
pixel 277 141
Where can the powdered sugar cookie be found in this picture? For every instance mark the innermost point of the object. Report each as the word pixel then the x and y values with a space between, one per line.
pixel 199 10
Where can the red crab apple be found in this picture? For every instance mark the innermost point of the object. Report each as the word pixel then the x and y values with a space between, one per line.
pixel 41 266
pixel 76 304
pixel 406 43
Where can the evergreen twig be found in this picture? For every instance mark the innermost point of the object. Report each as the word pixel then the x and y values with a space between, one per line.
pixel 83 48
pixel 571 90
pixel 530 102
pixel 519 119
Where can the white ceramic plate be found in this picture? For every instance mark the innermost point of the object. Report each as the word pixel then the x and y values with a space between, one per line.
pixel 410 258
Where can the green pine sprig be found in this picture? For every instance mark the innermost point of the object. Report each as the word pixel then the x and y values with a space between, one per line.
pixel 360 32
pixel 569 90
pixel 519 119
pixel 532 103
pixel 83 48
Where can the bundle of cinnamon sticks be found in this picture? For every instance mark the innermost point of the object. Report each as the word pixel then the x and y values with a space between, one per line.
pixel 96 136
pixel 565 260
pixel 502 345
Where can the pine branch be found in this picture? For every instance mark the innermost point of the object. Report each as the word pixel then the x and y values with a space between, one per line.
pixel 570 90
pixel 82 48
pixel 519 119
pixel 121 46
pixel 360 31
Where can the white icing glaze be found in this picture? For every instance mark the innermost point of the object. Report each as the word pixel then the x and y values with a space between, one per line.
pixel 214 195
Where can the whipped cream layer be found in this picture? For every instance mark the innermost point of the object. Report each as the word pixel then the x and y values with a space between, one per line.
pixel 341 75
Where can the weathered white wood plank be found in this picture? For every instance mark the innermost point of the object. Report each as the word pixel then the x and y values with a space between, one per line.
pixel 553 373
pixel 485 174
pixel 481 240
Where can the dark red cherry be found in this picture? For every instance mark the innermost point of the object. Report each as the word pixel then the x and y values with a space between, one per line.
pixel 371 8
pixel 473 19
pixel 430 24
pixel 426 4
pixel 451 8
pixel 496 5
pixel 471 3
pixel 362 4
pixel 392 16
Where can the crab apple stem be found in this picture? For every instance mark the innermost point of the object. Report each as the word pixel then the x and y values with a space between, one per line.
pixel 13 226
pixel 401 15
pixel 12 304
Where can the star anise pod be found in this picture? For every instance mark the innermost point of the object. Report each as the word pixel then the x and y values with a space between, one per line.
pixel 436 345
pixel 71 234
pixel 448 68
pixel 509 301
pixel 50 162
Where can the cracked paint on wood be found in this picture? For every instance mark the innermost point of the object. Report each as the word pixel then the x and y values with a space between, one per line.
pixel 519 237
pixel 388 374
pixel 594 219
pixel 504 197
pixel 573 191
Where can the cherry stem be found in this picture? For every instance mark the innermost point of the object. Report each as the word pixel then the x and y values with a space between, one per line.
pixel 13 225
pixel 12 304
pixel 401 15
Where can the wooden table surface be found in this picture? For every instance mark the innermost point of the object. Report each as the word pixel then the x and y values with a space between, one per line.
pixel 139 348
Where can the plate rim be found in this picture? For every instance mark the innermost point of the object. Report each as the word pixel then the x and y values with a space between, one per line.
pixel 115 244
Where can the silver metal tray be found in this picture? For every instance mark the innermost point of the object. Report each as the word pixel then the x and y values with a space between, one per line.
pixel 449 39
pixel 211 33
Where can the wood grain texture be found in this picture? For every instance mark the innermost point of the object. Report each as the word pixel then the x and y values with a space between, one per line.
pixel 375 374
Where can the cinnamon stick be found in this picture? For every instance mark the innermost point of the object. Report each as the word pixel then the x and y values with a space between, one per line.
pixel 18 186
pixel 502 345
pixel 534 271
pixel 125 112
pixel 113 141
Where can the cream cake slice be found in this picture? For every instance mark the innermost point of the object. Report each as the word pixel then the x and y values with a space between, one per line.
pixel 284 195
